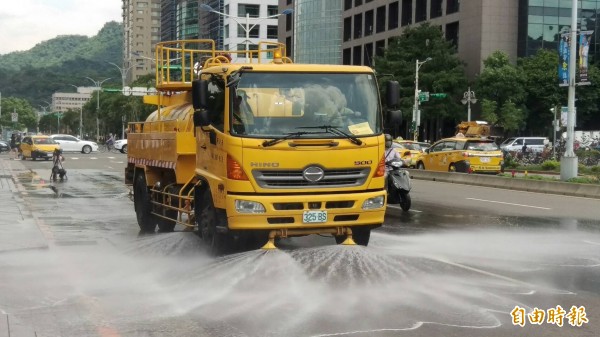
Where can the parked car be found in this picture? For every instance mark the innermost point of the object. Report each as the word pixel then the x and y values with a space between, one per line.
pixel 4 146
pixel 70 143
pixel 35 147
pixel 463 154
pixel 534 144
pixel 121 145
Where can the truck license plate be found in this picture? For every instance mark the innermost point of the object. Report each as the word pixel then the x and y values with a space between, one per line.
pixel 314 216
pixel 484 159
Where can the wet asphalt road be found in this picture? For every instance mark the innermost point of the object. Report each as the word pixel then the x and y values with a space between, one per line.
pixel 457 264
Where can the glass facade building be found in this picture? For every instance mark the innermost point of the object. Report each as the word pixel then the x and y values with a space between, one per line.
pixel 541 23
pixel 187 20
pixel 317 31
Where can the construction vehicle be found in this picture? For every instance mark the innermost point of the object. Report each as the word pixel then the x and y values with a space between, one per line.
pixel 480 129
pixel 249 152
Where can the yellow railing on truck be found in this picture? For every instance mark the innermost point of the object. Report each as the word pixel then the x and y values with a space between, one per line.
pixel 178 62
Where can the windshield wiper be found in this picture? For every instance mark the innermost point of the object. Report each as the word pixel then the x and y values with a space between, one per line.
pixel 336 131
pixel 289 135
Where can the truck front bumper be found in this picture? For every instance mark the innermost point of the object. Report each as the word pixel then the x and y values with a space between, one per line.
pixel 296 211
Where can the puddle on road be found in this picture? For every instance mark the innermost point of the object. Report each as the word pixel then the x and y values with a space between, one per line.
pixel 82 184
pixel 461 278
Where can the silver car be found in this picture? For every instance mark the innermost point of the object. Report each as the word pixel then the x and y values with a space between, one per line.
pixel 70 143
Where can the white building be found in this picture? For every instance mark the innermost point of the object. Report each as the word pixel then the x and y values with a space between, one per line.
pixel 249 18
pixel 63 101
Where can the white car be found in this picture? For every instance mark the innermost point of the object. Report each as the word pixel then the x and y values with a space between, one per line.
pixel 121 145
pixel 70 143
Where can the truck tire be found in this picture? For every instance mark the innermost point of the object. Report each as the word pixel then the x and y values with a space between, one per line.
pixel 207 219
pixel 165 225
pixel 142 205
pixel 361 235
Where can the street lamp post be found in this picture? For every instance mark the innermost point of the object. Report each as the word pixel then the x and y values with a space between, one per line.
pixel 246 27
pixel 44 107
pixel 98 84
pixel 80 113
pixel 123 72
pixel 416 118
pixel 468 98
pixel 81 122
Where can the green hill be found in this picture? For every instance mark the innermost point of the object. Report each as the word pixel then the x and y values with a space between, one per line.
pixel 58 63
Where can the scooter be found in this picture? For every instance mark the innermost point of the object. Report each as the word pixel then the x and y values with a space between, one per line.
pixel 398 185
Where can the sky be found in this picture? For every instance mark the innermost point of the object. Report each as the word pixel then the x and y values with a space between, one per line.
pixel 25 23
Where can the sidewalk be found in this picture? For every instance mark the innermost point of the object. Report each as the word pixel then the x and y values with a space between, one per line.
pixel 18 228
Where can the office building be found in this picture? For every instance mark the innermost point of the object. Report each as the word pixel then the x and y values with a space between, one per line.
pixel 64 101
pixel 242 24
pixel 141 25
pixel 476 27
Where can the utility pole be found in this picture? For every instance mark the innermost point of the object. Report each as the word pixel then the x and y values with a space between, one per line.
pixel 568 163
pixel 416 118
pixel 98 85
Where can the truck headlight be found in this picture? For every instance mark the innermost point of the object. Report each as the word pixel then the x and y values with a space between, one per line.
pixel 373 203
pixel 245 206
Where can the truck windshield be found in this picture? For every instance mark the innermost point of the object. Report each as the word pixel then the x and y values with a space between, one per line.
pixel 272 105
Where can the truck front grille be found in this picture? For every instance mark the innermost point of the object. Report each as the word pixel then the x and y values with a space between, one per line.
pixel 295 179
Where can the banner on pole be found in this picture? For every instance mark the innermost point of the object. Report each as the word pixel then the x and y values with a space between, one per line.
pixel 564 111
pixel 584 49
pixel 563 60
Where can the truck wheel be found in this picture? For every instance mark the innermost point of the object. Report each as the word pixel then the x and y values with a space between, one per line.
pixel 207 219
pixel 165 225
pixel 361 235
pixel 142 205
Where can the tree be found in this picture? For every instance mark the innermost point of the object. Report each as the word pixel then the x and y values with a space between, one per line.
pixel 444 73
pixel 502 83
pixel 543 92
pixel 27 117
pixel 69 122
pixel 48 124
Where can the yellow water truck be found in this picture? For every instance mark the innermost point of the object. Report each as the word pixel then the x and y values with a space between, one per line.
pixel 248 152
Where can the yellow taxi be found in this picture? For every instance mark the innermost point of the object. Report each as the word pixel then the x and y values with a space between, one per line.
pixel 38 146
pixel 410 151
pixel 463 154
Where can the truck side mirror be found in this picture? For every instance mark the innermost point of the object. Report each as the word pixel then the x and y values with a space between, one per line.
pixel 392 93
pixel 201 118
pixel 395 117
pixel 200 103
pixel 200 94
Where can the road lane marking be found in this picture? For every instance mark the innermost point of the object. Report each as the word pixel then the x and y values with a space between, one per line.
pixel 508 203
pixel 400 208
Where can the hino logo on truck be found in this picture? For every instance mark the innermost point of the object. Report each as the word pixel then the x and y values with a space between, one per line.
pixel 263 165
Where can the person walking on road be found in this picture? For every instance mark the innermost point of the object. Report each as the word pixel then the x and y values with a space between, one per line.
pixel 15 141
